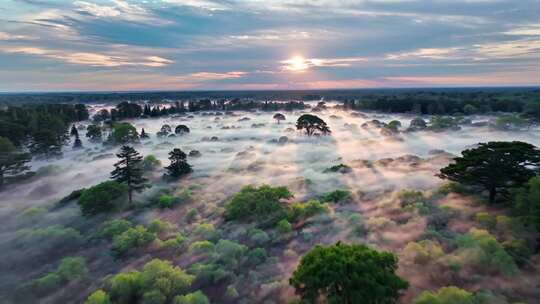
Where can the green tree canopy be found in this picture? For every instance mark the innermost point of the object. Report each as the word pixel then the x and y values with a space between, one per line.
pixel 312 125
pixel 103 197
pixel 179 165
pixel 12 161
pixel 494 166
pixel 344 273
pixel 129 170
pixel 260 204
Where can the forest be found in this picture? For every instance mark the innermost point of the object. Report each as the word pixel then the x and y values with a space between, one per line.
pixel 324 197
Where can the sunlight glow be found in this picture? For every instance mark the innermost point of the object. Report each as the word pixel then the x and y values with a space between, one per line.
pixel 296 64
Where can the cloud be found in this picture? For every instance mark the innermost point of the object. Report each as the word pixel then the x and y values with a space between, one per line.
pixel 87 58
pixel 298 63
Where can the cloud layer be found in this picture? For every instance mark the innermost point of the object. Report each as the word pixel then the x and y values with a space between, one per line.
pixel 255 44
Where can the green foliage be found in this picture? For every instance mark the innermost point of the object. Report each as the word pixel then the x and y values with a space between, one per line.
pixel 72 268
pixel 443 122
pixel 410 197
pixel 128 170
pixel 201 247
pixel 452 187
pixel 158 282
pixel 305 210
pixel 150 163
pixel 337 196
pixel 258 236
pixel 179 165
pixel 481 250
pixel 132 238
pixel 175 243
pixel 445 295
pixel 494 166
pixel 284 226
pixel 166 201
pixel 123 133
pixel 158 226
pixel 192 298
pixel 527 203
pixel 104 197
pixel 258 204
pixel 50 239
pixel 518 250
pixel 206 231
pixel 12 161
pixel 115 227
pixel 94 133
pixel 348 274
pixel 312 125
pixel 47 283
pixel 423 252
pixel 98 297
pixel 33 211
pixel 485 219
pixel 510 122
pixel 257 256
pixel 228 253
pixel 470 109
pixel 190 215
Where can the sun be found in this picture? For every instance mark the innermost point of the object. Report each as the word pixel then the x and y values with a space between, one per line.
pixel 296 63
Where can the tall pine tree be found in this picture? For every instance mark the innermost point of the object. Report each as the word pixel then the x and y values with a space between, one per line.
pixel 128 170
pixel 179 165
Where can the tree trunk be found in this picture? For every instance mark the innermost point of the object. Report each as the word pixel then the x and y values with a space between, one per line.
pixel 492 194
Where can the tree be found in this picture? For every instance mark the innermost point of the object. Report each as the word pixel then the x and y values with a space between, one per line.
pixel 128 170
pixel 12 161
pixel 179 165
pixel 77 144
pixel 347 274
pixel 124 133
pixel 144 135
pixel 181 129
pixel 527 203
pixel 494 166
pixel 262 204
pixel 312 124
pixel 93 132
pixel 279 117
pixel 103 197
pixel 74 131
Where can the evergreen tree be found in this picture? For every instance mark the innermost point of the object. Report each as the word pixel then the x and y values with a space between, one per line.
pixel 12 162
pixel 94 133
pixel 128 170
pixel 144 135
pixel 179 165
pixel 77 144
pixel 74 131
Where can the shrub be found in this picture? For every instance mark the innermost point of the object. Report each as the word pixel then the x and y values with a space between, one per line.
pixel 376 223
pixel 158 282
pixel 485 219
pixel 445 295
pixel 166 201
pixel 123 133
pixel 47 283
pixel 132 238
pixel 257 256
pixel 98 297
pixel 175 243
pixel 113 228
pixel 228 253
pixel 72 268
pixel 190 215
pixel 518 250
pixel 150 163
pixel 208 274
pixel 410 197
pixel 423 252
pixel 337 196
pixel 206 231
pixel 50 239
pixel 284 226
pixel 452 187
pixel 200 247
pixel 104 197
pixel 258 237
pixel 258 204
pixel 341 168
pixel 305 210
pixel 479 249
pixel 527 203
pixel 33 211
pixel 158 226
pixel 192 298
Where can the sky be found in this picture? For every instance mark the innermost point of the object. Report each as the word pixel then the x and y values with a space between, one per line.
pixel 122 45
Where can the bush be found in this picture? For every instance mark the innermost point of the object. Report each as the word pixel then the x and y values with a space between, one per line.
pixel 150 163
pixel 284 226
pixel 479 249
pixel 258 204
pixel 210 274
pixel 158 226
pixel 192 298
pixel 158 282
pixel 411 197
pixel 72 268
pixel 166 201
pixel 50 239
pixel 132 238
pixel 257 256
pixel 228 253
pixel 201 247
pixel 527 203
pixel 113 228
pixel 445 295
pixel 423 252
pixel 258 237
pixel 47 283
pixel 190 215
pixel 98 297
pixel 518 250
pixel 175 243
pixel 341 168
pixel 206 231
pixel 337 196
pixel 305 210
pixel 452 187
pixel 485 219
pixel 104 197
